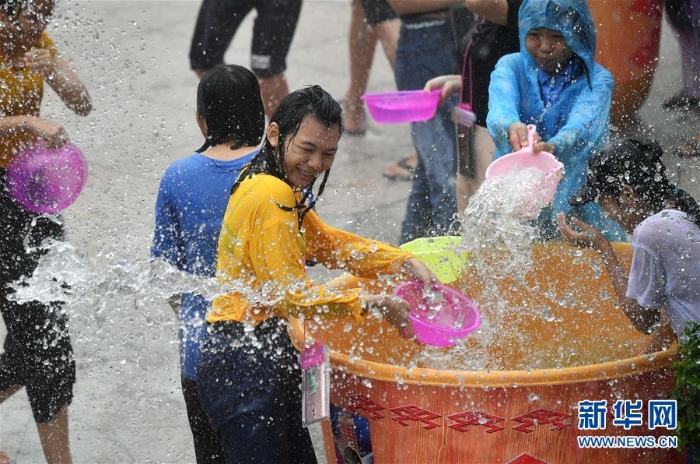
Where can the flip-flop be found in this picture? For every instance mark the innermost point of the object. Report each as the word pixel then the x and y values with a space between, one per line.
pixel 688 148
pixel 681 101
pixel 402 170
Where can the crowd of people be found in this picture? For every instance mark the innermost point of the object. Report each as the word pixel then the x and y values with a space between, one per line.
pixel 242 206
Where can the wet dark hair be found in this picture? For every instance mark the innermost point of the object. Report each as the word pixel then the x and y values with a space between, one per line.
pixel 309 101
pixel 228 99
pixel 637 163
pixel 14 7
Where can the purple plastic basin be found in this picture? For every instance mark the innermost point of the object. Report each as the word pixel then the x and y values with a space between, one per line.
pixel 402 106
pixel 440 317
pixel 47 180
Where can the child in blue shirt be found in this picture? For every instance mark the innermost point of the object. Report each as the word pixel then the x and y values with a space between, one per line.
pixel 555 84
pixel 191 203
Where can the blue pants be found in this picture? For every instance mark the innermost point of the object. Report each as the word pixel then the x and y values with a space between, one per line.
pixel 249 387
pixel 426 50
pixel 207 446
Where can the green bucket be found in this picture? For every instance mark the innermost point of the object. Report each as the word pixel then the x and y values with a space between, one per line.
pixel 440 255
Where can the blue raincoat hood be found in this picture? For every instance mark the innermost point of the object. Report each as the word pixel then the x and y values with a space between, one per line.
pixel 570 17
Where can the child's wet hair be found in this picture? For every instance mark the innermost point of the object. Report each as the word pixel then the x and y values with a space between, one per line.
pixel 636 163
pixel 14 7
pixel 310 101
pixel 229 101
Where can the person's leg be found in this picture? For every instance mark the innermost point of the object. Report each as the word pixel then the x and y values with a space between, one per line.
pixel 684 21
pixel 388 34
pixel 273 32
pixel 217 23
pixel 273 90
pixel 12 362
pixel 416 222
pixel 361 43
pixel 38 353
pixel 8 392
pixel 689 96
pixel 245 391
pixel 53 435
pixel 207 446
pixel 12 372
pixel 472 170
pixel 690 62
pixel 386 26
pixel 50 387
pixel 425 51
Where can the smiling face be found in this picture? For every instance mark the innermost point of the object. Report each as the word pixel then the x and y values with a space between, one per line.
pixel 548 48
pixel 308 153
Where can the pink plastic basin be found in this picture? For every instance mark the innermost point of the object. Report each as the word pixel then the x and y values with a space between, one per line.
pixel 402 106
pixel 440 317
pixel 47 180
pixel 526 158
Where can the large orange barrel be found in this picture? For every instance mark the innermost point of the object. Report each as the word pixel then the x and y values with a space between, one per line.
pixel 390 409
pixel 629 33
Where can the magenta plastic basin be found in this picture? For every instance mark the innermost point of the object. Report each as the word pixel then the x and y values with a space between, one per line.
pixel 47 180
pixel 440 317
pixel 402 106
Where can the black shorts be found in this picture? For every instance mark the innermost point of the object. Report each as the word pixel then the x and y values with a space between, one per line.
pixel 38 355
pixel 378 11
pixel 274 28
pixel 38 352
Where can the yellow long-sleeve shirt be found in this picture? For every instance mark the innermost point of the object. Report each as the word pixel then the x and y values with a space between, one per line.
pixel 262 249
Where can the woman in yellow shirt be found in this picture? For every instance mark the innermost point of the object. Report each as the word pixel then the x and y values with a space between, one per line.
pixel 37 351
pixel 249 374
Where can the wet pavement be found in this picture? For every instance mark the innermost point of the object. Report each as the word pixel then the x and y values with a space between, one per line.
pixel 128 406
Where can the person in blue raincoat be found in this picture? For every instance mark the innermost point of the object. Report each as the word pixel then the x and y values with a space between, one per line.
pixel 555 84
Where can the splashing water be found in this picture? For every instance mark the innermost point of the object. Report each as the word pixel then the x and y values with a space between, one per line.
pixel 498 222
pixel 498 233
pixel 500 217
pixel 105 281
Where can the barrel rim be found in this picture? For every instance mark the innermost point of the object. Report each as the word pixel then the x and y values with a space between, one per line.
pixel 374 370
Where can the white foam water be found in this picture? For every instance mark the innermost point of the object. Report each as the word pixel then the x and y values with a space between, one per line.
pixel 498 222
pixel 106 281
pixel 500 216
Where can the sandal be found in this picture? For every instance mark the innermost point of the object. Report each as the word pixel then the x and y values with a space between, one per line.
pixel 403 170
pixel 681 101
pixel 689 148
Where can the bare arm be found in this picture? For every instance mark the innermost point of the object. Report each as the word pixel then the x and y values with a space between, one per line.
pixel 53 133
pixel 663 337
pixel 643 319
pixel 61 78
pixel 448 84
pixel 421 6
pixel 495 11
